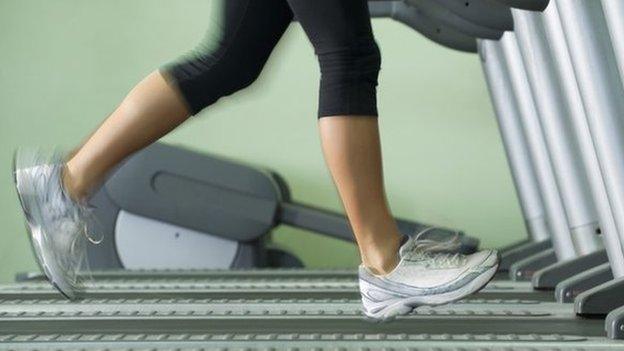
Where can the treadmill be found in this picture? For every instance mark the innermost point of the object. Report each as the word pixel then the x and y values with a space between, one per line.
pixel 530 111
pixel 150 317
pixel 429 18
pixel 456 33
pixel 594 33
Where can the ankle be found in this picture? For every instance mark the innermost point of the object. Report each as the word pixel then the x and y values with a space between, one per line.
pixel 72 185
pixel 382 266
pixel 382 258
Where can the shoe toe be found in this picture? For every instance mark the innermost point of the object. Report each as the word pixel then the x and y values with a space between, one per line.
pixel 61 281
pixel 65 290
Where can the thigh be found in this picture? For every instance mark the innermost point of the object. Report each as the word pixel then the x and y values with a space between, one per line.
pixel 240 38
pixel 349 59
pixel 334 24
pixel 252 25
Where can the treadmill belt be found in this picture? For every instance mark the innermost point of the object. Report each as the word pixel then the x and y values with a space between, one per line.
pixel 209 273
pixel 282 316
pixel 301 341
pixel 247 288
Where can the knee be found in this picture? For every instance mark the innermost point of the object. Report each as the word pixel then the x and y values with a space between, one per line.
pixel 349 78
pixel 361 61
pixel 203 77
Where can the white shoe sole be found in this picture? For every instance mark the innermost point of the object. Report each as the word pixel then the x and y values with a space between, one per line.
pixel 34 221
pixel 398 307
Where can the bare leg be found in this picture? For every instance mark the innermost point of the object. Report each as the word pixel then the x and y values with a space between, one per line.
pixel 151 110
pixel 353 154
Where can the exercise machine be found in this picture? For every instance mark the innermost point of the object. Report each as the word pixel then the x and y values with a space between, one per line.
pixel 489 22
pixel 134 320
pixel 455 24
pixel 458 33
pixel 172 208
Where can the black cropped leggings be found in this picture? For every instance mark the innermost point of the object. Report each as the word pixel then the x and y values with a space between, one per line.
pixel 244 32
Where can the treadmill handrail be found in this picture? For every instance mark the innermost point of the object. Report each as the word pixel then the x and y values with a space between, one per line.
pixel 531 5
pixel 415 19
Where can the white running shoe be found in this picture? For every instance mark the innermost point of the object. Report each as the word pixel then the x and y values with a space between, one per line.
pixel 56 223
pixel 425 275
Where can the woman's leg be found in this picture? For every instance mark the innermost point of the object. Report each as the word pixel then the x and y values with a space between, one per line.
pixel 241 36
pixel 341 34
pixel 349 58
pixel 353 153
pixel 151 110
pixel 239 42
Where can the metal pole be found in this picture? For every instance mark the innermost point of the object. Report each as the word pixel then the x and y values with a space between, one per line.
pixel 602 92
pixel 614 13
pixel 564 69
pixel 559 137
pixel 558 223
pixel 514 141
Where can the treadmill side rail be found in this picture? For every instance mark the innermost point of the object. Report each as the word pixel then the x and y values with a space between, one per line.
pixel 523 270
pixel 547 278
pixel 514 255
pixel 568 289
pixel 600 300
pixel 531 5
pixel 615 324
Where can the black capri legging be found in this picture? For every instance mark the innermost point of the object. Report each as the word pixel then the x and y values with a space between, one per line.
pixel 244 32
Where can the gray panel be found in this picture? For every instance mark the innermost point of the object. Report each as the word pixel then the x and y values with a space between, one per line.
pixel 601 299
pixel 615 324
pixel 435 10
pixel 488 13
pixel 532 5
pixel 523 270
pixel 415 19
pixel 144 243
pixel 549 277
pixel 567 290
pixel 200 192
pixel 522 252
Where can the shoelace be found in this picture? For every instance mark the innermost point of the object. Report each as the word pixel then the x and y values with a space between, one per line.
pixel 56 197
pixel 433 251
pixel 87 212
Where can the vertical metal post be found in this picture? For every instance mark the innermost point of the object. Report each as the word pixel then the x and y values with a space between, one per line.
pixel 602 92
pixel 614 13
pixel 514 141
pixel 559 137
pixel 564 69
pixel 557 220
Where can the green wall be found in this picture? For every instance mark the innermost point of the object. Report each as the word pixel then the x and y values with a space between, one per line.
pixel 65 64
